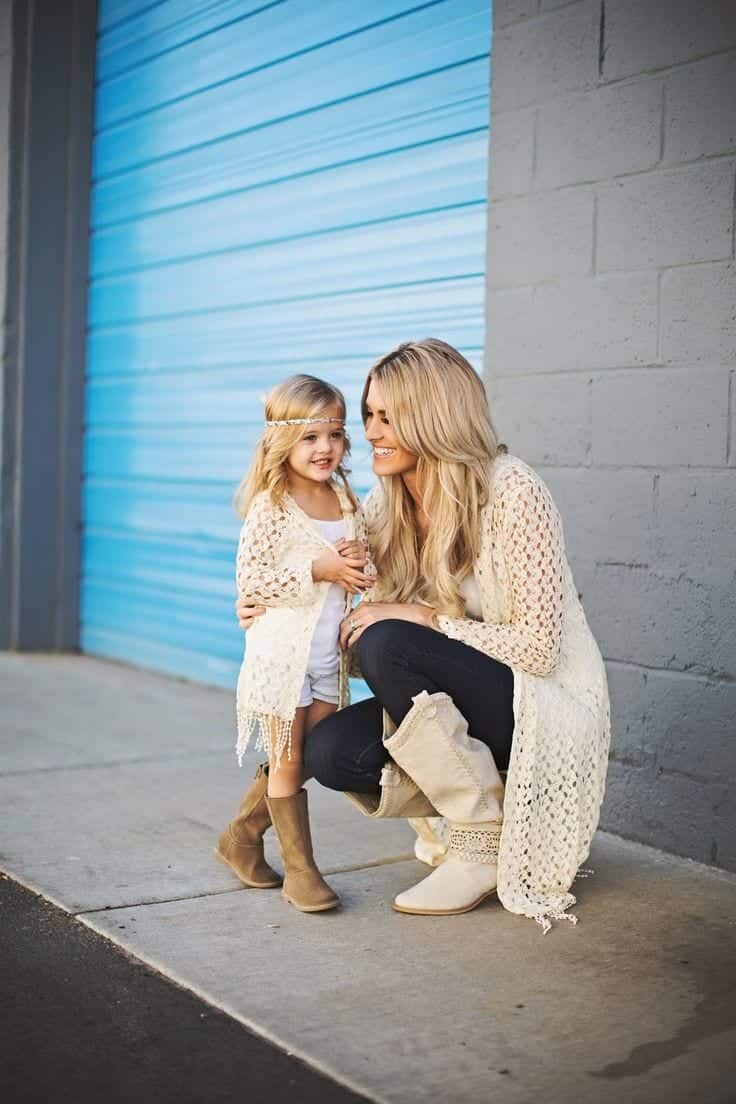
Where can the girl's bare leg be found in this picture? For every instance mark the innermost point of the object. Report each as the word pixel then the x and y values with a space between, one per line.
pixel 287 778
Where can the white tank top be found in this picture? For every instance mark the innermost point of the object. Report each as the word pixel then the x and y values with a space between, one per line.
pixel 324 655
pixel 471 594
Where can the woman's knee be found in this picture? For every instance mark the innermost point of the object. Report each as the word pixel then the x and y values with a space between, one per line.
pixel 379 647
pixel 323 752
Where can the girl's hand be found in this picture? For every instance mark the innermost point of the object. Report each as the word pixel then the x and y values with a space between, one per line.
pixel 247 613
pixel 346 571
pixel 368 613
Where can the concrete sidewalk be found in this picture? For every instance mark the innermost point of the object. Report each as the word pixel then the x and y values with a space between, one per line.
pixel 113 786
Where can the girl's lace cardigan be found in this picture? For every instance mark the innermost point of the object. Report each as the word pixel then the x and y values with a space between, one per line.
pixel 533 621
pixel 274 569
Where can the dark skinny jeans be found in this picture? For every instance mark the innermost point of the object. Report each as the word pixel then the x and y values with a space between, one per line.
pixel 398 660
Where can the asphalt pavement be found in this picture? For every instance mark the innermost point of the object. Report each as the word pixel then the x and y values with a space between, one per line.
pixel 83 1020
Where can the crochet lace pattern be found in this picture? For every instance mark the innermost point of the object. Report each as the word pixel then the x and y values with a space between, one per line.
pixel 274 569
pixel 475 842
pixel 533 621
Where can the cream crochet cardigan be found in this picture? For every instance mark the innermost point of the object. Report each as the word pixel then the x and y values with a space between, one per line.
pixel 274 569
pixel 534 622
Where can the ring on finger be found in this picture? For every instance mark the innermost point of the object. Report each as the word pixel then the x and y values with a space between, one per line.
pixel 353 624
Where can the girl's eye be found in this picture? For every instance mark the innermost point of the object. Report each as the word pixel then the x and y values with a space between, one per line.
pixel 310 437
pixel 337 434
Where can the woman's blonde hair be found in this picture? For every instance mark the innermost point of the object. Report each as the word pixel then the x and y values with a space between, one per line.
pixel 437 407
pixel 298 396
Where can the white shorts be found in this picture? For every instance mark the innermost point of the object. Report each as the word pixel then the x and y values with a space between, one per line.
pixel 322 687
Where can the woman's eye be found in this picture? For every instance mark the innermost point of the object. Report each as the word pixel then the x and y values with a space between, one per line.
pixel 310 437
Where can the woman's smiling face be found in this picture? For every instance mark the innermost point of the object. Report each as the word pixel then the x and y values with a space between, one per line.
pixel 389 457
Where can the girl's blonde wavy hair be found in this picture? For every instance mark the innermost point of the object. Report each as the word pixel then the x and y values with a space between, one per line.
pixel 298 396
pixel 438 409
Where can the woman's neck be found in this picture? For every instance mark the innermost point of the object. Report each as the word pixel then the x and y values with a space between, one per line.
pixel 412 486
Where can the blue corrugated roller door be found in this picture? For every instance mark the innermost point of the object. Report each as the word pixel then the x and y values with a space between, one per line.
pixel 278 187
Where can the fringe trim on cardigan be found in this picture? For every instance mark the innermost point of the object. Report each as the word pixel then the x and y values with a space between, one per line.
pixel 273 734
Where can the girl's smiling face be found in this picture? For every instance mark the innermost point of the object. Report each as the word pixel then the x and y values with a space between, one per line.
pixel 320 448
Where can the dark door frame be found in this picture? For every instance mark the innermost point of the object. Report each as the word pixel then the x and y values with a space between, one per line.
pixel 53 48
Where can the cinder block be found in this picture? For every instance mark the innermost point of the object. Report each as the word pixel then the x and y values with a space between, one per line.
pixel 545 57
pixel 544 236
pixel 667 217
pixel 511 11
pixel 511 152
pixel 574 324
pixel 641 37
pixel 599 134
pixel 544 419
pixel 676 727
pixel 607 515
pixel 699 315
pixel 695 523
pixel 675 622
pixel 690 727
pixel 628 688
pixel 676 721
pixel 658 417
pixel 700 114
pixel 672 812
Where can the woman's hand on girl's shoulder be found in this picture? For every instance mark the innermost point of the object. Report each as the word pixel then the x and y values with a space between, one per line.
pixel 247 613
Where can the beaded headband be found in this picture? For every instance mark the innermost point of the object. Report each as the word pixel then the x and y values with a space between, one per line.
pixel 304 421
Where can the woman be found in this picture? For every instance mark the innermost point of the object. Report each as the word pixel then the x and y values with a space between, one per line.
pixel 476 649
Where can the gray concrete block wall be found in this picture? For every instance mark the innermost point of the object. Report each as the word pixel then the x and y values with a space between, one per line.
pixel 610 362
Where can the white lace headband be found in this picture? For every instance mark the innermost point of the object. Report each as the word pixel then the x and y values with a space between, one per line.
pixel 305 421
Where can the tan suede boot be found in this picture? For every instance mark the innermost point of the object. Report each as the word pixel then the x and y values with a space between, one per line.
pixel 241 844
pixel 304 886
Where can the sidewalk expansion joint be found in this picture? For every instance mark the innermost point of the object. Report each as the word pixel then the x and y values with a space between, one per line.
pixel 370 865
pixel 106 764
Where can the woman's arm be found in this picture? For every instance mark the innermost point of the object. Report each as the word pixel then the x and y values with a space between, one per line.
pixel 527 526
pixel 260 580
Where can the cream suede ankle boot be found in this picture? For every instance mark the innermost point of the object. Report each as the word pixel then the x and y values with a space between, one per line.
pixel 467 876
pixel 459 776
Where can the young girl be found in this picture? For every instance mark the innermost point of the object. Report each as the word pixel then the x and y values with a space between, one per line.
pixel 303 556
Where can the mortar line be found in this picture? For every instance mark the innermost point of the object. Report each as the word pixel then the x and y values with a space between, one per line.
pixel 665 70
pixel 658 167
pixel 672 672
pixel 729 417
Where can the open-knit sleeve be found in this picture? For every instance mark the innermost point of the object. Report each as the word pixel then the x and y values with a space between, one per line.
pixel 526 529
pixel 259 577
pixel 369 512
